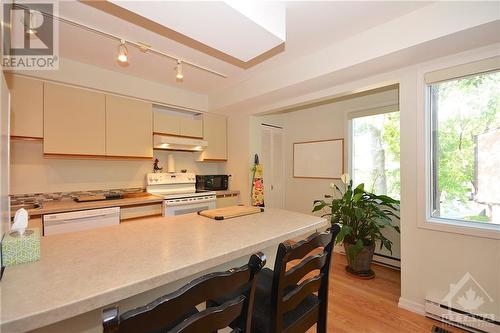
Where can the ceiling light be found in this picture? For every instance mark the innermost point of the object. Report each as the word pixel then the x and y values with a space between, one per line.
pixel 122 52
pixel 30 29
pixel 179 75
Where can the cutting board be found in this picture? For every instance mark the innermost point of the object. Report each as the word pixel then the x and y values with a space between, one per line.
pixel 230 212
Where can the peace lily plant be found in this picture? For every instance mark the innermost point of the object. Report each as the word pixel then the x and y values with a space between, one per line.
pixel 362 216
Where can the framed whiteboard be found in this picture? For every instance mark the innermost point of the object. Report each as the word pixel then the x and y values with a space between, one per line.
pixel 318 159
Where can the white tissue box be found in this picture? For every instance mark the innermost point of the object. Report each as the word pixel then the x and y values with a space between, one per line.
pixel 20 249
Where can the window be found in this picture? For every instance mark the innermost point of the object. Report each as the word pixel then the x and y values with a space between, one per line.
pixel 375 153
pixel 465 149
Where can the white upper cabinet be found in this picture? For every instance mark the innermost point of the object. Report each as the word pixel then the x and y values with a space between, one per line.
pixel 129 128
pixel 176 123
pixel 215 132
pixel 166 123
pixel 74 121
pixel 26 106
pixel 192 126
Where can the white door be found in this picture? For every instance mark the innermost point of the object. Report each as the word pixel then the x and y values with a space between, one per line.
pixel 273 161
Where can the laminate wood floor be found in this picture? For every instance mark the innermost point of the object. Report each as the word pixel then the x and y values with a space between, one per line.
pixel 371 306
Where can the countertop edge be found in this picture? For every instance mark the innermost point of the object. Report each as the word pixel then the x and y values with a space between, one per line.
pixel 40 319
pixel 74 206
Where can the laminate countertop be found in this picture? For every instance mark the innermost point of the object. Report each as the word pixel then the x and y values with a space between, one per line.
pixel 50 207
pixel 86 270
pixel 227 193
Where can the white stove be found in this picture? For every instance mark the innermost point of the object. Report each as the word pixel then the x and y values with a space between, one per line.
pixel 179 193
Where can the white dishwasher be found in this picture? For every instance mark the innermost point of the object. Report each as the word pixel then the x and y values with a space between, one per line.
pixel 80 220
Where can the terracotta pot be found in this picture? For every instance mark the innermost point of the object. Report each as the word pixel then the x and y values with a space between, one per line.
pixel 361 265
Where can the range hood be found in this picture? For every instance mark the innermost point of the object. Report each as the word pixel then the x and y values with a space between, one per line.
pixel 169 142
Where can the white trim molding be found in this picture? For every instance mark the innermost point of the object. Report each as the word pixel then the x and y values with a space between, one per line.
pixel 411 306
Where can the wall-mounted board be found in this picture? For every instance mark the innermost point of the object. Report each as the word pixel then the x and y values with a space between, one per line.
pixel 318 159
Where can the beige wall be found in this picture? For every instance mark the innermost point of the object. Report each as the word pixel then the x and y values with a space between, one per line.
pixel 32 173
pixel 4 157
pixel 238 149
pixel 434 259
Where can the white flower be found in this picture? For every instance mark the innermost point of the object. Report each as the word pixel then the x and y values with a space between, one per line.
pixel 345 178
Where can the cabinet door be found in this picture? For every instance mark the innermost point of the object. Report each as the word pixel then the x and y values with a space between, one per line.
pixel 74 121
pixel 192 126
pixel 215 132
pixel 26 106
pixel 166 123
pixel 129 127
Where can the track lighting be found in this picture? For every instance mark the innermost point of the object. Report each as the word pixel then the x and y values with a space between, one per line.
pixel 30 29
pixel 122 52
pixel 179 75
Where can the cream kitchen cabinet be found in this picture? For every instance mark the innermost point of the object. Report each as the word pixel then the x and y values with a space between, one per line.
pixel 129 129
pixel 191 126
pixel 26 105
pixel 166 123
pixel 178 124
pixel 215 132
pixel 74 121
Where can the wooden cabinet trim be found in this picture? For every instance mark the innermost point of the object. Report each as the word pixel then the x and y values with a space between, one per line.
pixel 26 138
pixel 103 157
pixel 178 135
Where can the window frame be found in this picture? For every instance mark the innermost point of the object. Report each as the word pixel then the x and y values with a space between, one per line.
pixel 473 228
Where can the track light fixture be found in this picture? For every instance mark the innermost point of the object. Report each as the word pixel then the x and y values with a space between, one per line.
pixel 179 74
pixel 30 29
pixel 122 52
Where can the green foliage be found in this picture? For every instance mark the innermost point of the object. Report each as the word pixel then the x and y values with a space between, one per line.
pixel 362 216
pixel 473 107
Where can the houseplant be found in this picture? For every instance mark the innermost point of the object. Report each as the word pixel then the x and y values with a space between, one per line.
pixel 362 216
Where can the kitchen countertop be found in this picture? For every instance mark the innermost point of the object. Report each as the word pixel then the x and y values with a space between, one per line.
pixel 83 271
pixel 227 192
pixel 50 207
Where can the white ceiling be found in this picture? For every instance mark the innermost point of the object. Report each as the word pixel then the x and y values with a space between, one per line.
pixel 310 26
pixel 244 32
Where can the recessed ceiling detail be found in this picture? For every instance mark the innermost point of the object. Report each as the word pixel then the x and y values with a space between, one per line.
pixel 241 29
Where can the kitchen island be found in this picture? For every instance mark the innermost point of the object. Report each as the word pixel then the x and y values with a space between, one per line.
pixel 131 264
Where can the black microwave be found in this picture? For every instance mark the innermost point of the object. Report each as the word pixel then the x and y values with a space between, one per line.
pixel 212 182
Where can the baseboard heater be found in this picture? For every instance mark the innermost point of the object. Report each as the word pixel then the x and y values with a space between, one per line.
pixel 462 319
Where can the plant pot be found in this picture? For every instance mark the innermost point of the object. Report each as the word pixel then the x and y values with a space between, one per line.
pixel 361 265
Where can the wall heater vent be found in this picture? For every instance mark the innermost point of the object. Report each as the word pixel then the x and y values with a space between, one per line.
pixel 462 319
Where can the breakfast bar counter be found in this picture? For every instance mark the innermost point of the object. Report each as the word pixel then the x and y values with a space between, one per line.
pixel 130 264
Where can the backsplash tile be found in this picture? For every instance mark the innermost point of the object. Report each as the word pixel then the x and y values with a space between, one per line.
pixel 17 199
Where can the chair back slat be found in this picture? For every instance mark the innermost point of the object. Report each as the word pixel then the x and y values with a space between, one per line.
pixel 300 249
pixel 287 294
pixel 309 264
pixel 168 311
pixel 297 295
pixel 212 319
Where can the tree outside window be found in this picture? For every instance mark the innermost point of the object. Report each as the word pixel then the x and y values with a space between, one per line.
pixel 465 148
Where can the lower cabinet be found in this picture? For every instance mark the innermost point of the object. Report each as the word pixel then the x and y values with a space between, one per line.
pixel 137 211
